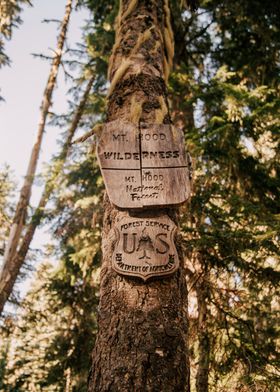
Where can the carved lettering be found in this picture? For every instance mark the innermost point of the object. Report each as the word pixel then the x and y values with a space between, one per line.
pixel 145 155
pixel 129 179
pixel 148 176
pixel 144 168
pixel 153 136
pixel 120 137
pixel 145 247
pixel 107 155
pixel 125 238
pixel 164 245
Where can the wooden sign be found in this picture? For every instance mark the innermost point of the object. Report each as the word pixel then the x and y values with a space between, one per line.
pixel 145 247
pixel 144 167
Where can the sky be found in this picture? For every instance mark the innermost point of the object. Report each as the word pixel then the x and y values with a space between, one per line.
pixel 22 85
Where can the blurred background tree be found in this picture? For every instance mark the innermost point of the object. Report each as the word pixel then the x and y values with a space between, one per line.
pixel 10 18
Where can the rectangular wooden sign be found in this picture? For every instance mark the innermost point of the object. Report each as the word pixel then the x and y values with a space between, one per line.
pixel 144 167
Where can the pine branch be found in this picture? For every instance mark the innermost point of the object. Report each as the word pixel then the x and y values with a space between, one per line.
pixel 51 21
pixel 95 131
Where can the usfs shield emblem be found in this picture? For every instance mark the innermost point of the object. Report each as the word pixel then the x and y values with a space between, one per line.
pixel 145 247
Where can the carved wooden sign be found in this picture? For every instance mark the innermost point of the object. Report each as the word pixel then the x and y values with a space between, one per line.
pixel 144 167
pixel 145 247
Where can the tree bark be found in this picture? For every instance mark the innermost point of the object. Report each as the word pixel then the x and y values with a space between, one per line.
pixel 11 269
pixel 141 343
pixel 25 193
pixel 202 375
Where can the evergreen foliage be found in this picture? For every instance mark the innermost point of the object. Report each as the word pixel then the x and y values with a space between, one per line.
pixel 229 76
pixel 49 341
pixel 7 193
pixel 10 18
pixel 6 205
pixel 224 90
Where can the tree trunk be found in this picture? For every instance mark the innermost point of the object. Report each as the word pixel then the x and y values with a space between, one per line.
pixel 203 335
pixel 141 343
pixel 10 270
pixel 25 193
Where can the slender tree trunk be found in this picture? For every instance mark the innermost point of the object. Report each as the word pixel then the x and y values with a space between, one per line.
pixel 25 193
pixel 10 270
pixel 198 277
pixel 203 335
pixel 141 343
pixel 68 384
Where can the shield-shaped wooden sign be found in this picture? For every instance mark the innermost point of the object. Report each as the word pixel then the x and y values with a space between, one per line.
pixel 145 247
pixel 144 167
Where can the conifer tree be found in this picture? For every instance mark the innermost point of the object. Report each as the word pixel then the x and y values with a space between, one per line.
pixel 232 228
pixel 11 266
pixel 141 343
pixel 10 17
pixel 6 205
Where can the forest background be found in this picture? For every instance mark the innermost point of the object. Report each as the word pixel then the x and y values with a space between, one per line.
pixel 224 92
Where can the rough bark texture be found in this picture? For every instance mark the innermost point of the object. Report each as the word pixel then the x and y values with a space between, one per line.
pixel 141 343
pixel 203 336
